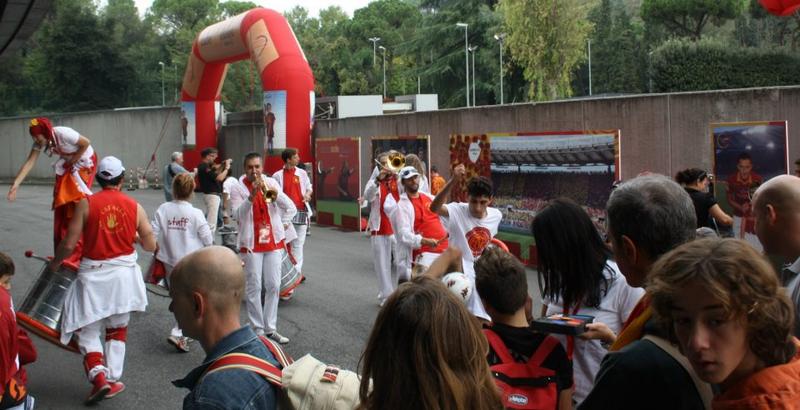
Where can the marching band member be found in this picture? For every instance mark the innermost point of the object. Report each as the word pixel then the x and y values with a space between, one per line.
pixel 382 193
pixel 74 171
pixel 418 230
pixel 180 229
pixel 471 225
pixel 109 284
pixel 297 186
pixel 264 213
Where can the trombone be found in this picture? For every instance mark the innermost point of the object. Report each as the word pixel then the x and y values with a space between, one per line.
pixel 394 162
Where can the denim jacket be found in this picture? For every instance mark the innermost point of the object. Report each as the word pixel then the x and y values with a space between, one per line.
pixel 232 388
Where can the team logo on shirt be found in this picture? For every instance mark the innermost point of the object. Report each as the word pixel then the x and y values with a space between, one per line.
pixel 296 179
pixel 111 217
pixel 477 239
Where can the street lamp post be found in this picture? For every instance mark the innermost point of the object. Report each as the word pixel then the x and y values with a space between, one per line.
pixel 472 50
pixel 500 37
pixel 589 43
pixel 175 81
pixel 374 41
pixel 466 57
pixel 383 49
pixel 161 63
pixel 650 72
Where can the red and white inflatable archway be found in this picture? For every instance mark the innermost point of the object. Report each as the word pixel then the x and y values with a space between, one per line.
pixel 263 36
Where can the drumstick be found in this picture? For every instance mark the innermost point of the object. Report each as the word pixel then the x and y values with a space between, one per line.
pixel 29 254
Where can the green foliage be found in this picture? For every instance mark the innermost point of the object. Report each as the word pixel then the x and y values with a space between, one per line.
pixel 547 40
pixel 688 18
pixel 681 65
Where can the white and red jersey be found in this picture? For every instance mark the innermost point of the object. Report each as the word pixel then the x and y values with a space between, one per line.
pixel 469 234
pixel 383 197
pixel 414 220
pixel 281 211
pixel 180 229
pixel 110 228
pixel 295 184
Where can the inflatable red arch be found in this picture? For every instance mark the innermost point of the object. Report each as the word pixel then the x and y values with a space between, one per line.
pixel 265 37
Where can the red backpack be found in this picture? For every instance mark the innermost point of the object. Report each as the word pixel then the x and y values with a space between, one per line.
pixel 524 385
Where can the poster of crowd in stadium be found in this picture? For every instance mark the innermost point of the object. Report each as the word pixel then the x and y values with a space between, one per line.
pixel 418 145
pixel 530 168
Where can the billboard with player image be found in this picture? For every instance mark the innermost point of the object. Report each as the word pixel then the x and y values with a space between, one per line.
pixel 274 111
pixel 530 169
pixel 418 145
pixel 746 154
pixel 473 151
pixel 337 181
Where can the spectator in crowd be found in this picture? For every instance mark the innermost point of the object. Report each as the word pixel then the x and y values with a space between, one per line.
pixel 16 348
pixel 210 176
pixel 777 210
pixel 437 181
pixel 426 351
pixel 721 300
pixel 180 229
pixel 170 171
pixel 647 217
pixel 695 181
pixel 207 288
pixel 579 277
pixel 501 281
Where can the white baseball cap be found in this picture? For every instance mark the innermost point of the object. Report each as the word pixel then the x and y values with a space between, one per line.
pixel 110 168
pixel 408 172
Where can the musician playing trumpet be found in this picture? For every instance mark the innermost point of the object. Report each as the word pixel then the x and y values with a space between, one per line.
pixel 264 213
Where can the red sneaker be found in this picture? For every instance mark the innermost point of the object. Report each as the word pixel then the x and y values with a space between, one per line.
pixel 100 389
pixel 116 388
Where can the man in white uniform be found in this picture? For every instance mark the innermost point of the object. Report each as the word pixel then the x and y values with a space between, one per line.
pixel 264 213
pixel 296 185
pixel 471 225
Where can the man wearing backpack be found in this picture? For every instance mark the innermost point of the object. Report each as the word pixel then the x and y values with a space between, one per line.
pixel 515 350
pixel 206 289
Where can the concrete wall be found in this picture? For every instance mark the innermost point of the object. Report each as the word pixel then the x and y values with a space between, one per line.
pixel 130 135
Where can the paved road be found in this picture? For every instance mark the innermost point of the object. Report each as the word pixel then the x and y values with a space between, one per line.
pixel 330 316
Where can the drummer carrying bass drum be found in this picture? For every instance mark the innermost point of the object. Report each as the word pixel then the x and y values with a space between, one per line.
pixel 109 284
pixel 297 186
pixel 74 170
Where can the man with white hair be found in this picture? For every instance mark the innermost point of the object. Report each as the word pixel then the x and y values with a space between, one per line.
pixel 170 170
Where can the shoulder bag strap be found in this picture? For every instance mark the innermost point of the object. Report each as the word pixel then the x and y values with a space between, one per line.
pixel 245 362
pixel 703 388
pixel 498 346
pixel 544 350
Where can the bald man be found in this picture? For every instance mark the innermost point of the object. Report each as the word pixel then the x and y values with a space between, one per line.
pixel 777 210
pixel 206 289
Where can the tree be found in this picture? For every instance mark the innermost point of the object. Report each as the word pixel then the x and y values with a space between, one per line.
pixel 548 40
pixel 688 18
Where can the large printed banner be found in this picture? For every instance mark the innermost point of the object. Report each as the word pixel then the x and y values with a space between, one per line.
pixel 418 145
pixel 274 120
pixel 528 169
pixel 746 154
pixel 337 181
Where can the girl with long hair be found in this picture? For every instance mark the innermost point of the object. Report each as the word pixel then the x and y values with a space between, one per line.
pixel 426 351
pixel 577 276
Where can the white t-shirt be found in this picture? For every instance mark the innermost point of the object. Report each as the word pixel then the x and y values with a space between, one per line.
pixel 180 229
pixel 66 142
pixel 471 235
pixel 228 184
pixel 615 307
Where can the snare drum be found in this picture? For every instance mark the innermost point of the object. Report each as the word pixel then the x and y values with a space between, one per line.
pixel 300 218
pixel 290 277
pixel 42 307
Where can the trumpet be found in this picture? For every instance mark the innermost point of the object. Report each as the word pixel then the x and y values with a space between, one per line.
pixel 394 162
pixel 270 195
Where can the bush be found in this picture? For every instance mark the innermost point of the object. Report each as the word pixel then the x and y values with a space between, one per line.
pixel 682 65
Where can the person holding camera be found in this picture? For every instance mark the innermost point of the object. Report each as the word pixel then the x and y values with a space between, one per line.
pixel 210 176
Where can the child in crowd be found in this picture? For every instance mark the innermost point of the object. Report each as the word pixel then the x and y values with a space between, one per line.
pixel 16 348
pixel 500 280
pixel 721 300
pixel 579 277
pixel 426 351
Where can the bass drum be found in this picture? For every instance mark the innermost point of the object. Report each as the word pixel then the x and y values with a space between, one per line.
pixel 290 277
pixel 41 309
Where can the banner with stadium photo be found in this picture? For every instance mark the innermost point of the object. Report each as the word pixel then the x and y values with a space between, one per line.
pixel 746 154
pixel 530 168
pixel 474 152
pixel 418 145
pixel 337 181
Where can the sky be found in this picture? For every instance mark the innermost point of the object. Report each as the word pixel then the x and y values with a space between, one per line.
pixel 313 6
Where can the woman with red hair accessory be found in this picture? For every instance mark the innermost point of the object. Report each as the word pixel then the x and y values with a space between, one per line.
pixel 74 169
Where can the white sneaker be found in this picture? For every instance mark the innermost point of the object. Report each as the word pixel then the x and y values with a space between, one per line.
pixel 278 338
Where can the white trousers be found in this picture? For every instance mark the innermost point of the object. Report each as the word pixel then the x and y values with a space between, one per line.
pixel 297 246
pixel 382 247
pixel 263 271
pixel 738 232
pixel 89 341
pixel 212 209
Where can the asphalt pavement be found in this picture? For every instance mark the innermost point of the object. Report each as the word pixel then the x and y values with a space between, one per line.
pixel 329 317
